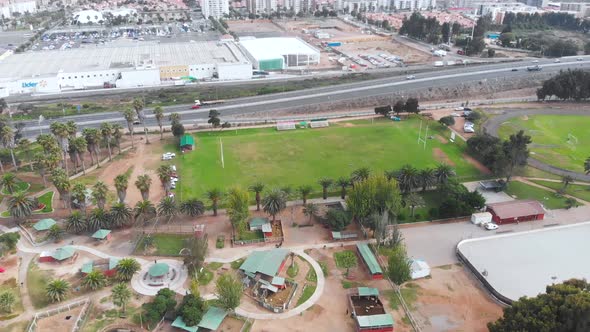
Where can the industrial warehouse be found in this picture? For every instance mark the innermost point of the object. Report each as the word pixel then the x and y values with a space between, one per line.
pixel 144 64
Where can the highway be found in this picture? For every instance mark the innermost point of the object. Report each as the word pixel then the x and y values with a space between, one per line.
pixel 351 91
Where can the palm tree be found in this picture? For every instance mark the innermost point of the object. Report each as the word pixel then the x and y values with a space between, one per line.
pixel 117 135
pixel 192 207
pixel 57 290
pixel 167 208
pixel 55 232
pixel 174 117
pixel 159 115
pixel 76 223
pixel 566 180
pixel 120 214
pixel 310 210
pixel 99 193
pixel 63 185
pixel 274 202
pixel 20 206
pixel 257 188
pixel 121 296
pixel 359 175
pixel 214 195
pixel 71 128
pixel 129 118
pixel 304 191
pixel 106 130
pixel 342 182
pixel 94 280
pixel 443 172
pixel 98 218
pixel 408 178
pixel 144 210
pixel 80 146
pixel 7 139
pixel 9 182
pixel 325 183
pixel 126 268
pixel 427 178
pixel 138 105
pixel 413 200
pixel 79 195
pixel 25 146
pixel 93 137
pixel 165 175
pixel 143 184
pixel 61 132
pixel 121 184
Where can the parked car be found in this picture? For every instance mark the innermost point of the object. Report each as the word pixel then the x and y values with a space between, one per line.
pixel 490 226
pixel 579 59
pixel 514 69
pixel 468 127
pixel 557 60
pixel 410 77
pixel 459 108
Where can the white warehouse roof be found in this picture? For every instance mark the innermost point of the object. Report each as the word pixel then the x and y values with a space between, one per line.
pixel 273 48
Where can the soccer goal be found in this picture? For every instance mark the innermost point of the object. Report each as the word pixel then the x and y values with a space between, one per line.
pixel 571 139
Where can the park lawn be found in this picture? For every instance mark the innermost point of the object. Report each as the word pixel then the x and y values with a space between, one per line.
pixel 20 186
pixel 338 258
pixel 306 294
pixel 250 235
pixel 432 199
pixel 577 190
pixel 11 285
pixel 521 190
pixel 549 134
pixel 37 280
pixel 46 199
pixel 302 156
pixel 165 244
pixel 409 293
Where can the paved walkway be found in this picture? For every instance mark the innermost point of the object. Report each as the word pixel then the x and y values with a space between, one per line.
pixel 492 125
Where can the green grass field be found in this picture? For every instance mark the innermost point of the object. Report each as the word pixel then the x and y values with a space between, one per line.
pixel 577 190
pixel 37 280
pixel 550 138
pixel 302 156
pixel 549 199
pixel 165 244
pixel 307 293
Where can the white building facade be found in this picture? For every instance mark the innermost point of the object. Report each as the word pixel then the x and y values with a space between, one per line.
pixel 413 4
pixel 261 6
pixel 8 8
pixel 214 8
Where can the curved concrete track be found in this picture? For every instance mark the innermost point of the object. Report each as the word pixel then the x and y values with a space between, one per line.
pixel 492 125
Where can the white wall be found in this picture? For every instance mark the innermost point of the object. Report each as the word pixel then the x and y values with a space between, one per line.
pixel 135 78
pixel 33 85
pixel 202 71
pixel 21 7
pixel 234 71
pixel 80 80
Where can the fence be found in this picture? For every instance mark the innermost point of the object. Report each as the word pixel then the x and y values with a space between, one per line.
pixel 254 241
pixel 66 307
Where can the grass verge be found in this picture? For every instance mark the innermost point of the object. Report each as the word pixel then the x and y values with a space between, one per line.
pixel 549 199
pixel 36 282
pixel 164 244
pixel 577 190
pixel 308 291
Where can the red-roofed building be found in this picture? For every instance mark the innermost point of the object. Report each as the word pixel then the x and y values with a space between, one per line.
pixel 516 211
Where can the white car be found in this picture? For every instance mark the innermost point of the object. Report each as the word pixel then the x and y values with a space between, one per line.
pixel 410 77
pixel 455 114
pixel 490 226
pixel 535 61
pixel 458 109
pixel 579 59
pixel 166 157
pixel 557 60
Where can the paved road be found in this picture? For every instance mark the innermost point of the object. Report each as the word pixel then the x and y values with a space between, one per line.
pixel 492 125
pixel 351 91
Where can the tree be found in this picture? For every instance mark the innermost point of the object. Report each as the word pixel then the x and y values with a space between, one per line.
pixel 62 183
pixel 343 183
pixel 447 121
pixel 563 307
pixel 587 165
pixel 214 118
pixel 310 210
pixel 99 193
pixel 516 151
pixel 9 182
pixel 20 206
pixel 57 290
pixel 570 203
pixel 138 105
pixel 126 268
pixel 214 195
pixel 121 295
pixel 326 183
pixel 337 219
pixel 106 130
pixel 79 145
pixel 94 280
pixel 61 133
pixel 506 38
pixel 76 223
pixel 117 135
pixel 408 178
pixel 398 107
pixel 177 129
pixel 427 178
pixel 304 191
pixel 566 180
pixel 162 303
pixel 413 200
pixel 143 184
pixel 229 291
pixel 374 195
pixel 121 184
pixel 97 219
pixel 398 265
pixel 347 259
pixel 119 215
pixel 274 202
pixel 383 110
pixel 237 201
pixel 3 104
pixel 192 309
pixel 443 173
pixel 360 174
pixel 25 146
pixel 165 175
pixel 167 208
pixel 257 188
pixel 412 106
pixel 446 32
pixel 79 195
pixel 93 138
pixel 192 207
pixel 7 301
pixel 194 254
pixel 159 115
pixel 7 139
pixel 491 52
pixel 55 233
pixel 129 118
pixel 144 210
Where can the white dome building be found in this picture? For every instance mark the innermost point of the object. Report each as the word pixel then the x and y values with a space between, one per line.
pixel 88 16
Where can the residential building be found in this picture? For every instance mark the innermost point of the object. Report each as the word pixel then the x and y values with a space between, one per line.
pixel 9 7
pixel 261 6
pixel 413 4
pixel 214 8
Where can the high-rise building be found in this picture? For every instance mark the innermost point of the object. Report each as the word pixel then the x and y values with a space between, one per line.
pixel 214 8
pixel 261 6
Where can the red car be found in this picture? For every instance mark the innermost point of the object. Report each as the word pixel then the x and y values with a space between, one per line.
pixel 195 107
pixel 2 270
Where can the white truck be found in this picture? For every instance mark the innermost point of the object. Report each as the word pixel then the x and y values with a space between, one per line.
pixel 481 218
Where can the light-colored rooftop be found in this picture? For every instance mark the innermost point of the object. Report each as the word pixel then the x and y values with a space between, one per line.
pixel 123 55
pixel 274 48
pixel 523 264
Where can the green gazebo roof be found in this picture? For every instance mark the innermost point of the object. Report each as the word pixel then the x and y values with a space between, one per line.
pixel 368 291
pixel 258 221
pixel 87 267
pixel 113 263
pixel 266 262
pixel 211 320
pixel 158 270
pixel 101 234
pixel 187 140
pixel 63 253
pixel 44 224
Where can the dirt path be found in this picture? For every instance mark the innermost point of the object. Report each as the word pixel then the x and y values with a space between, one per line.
pixel 477 164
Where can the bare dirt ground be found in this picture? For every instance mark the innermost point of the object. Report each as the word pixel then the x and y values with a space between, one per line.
pixel 60 322
pixel 9 264
pixel 442 157
pixel 477 164
pixel 453 300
